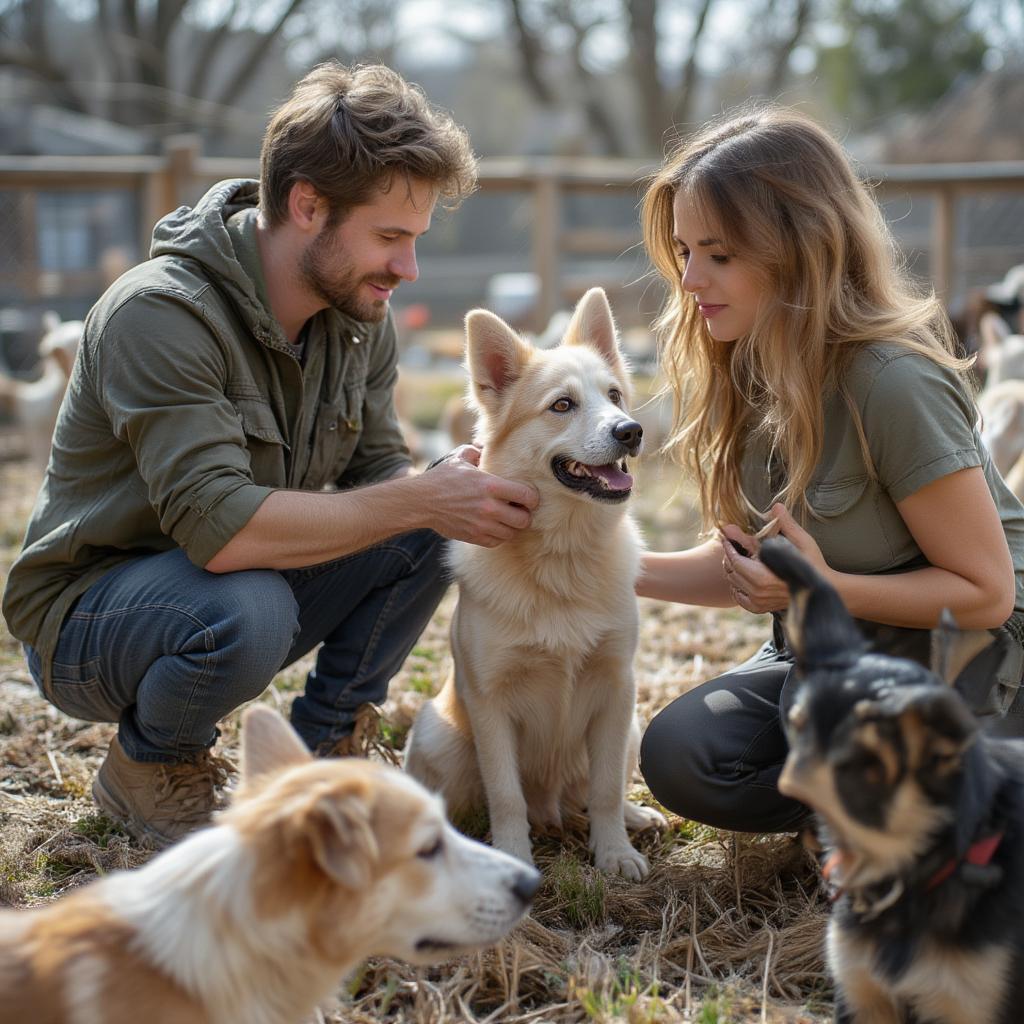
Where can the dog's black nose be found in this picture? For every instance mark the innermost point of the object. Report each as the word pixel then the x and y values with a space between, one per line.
pixel 629 433
pixel 526 885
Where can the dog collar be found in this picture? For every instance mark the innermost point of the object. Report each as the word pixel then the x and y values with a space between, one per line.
pixel 978 854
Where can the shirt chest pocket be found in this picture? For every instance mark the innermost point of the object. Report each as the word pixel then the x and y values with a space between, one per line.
pixel 336 431
pixel 267 448
pixel 846 527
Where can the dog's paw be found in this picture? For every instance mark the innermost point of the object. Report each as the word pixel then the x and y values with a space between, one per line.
pixel 639 817
pixel 622 860
pixel 515 845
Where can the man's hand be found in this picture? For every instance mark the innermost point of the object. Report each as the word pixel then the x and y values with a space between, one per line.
pixel 474 506
pixel 753 586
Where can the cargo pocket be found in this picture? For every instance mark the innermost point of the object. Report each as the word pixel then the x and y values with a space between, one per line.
pixel 267 448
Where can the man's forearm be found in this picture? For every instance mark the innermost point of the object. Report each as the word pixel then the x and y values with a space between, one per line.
pixel 292 529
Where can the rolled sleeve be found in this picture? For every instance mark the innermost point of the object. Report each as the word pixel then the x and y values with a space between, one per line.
pixel 161 381
pixel 919 421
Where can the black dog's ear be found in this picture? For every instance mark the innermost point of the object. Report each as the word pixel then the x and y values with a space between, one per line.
pixel 820 631
pixel 966 657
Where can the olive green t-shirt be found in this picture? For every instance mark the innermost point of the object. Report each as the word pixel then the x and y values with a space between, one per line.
pixel 920 424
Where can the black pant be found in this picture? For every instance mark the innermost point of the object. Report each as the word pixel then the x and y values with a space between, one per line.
pixel 715 754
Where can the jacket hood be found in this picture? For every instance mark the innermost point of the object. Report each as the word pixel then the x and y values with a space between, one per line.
pixel 200 233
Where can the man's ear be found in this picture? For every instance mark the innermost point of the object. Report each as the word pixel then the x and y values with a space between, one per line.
pixel 592 324
pixel 269 744
pixel 307 209
pixel 495 357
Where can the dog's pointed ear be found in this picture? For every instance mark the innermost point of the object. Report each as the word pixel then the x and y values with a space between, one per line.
pixel 592 324
pixel 495 355
pixel 339 829
pixel 269 744
pixel 955 651
pixel 819 629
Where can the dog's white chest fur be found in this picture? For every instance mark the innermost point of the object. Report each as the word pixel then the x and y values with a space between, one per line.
pixel 546 593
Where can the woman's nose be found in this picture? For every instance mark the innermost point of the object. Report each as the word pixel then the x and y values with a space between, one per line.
pixel 694 277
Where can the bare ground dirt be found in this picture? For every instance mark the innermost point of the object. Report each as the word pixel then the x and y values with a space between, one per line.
pixel 726 928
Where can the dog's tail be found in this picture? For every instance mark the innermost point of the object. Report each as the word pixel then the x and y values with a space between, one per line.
pixel 819 629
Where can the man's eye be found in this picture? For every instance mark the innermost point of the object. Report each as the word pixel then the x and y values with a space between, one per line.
pixel 562 405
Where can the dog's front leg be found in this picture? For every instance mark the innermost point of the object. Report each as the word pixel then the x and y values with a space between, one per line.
pixel 607 746
pixel 497 756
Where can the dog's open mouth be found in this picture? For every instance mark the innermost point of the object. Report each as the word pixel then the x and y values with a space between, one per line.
pixel 610 482
pixel 429 945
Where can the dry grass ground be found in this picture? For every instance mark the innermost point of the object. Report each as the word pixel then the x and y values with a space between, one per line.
pixel 725 929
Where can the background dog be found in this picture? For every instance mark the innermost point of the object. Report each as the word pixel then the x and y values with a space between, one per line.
pixel 922 820
pixel 539 718
pixel 316 865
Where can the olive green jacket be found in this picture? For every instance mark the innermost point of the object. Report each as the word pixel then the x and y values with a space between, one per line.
pixel 187 406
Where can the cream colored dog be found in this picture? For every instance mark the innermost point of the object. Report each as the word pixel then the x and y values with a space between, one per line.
pixel 539 718
pixel 316 865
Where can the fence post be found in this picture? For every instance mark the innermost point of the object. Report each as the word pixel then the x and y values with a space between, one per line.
pixel 169 188
pixel 943 227
pixel 546 229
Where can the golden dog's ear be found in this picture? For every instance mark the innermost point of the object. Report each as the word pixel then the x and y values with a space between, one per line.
pixel 339 830
pixel 495 355
pixel 269 744
pixel 592 324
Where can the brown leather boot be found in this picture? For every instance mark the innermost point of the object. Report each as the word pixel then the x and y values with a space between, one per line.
pixel 364 738
pixel 160 803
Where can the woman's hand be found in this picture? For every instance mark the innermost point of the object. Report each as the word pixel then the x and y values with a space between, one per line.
pixel 753 586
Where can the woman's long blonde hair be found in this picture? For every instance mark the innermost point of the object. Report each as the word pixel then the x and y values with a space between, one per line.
pixel 782 195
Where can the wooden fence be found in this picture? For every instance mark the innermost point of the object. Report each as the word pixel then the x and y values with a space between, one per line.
pixel 162 182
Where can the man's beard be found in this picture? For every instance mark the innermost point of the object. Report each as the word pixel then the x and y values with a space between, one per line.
pixel 331 277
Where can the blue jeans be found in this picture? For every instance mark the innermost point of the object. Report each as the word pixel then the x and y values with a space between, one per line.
pixel 167 649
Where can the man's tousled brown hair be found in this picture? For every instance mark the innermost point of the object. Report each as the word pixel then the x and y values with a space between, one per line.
pixel 349 131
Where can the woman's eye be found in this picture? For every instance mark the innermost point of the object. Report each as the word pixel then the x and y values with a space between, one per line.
pixel 615 396
pixel 562 405
pixel 719 259
pixel 431 851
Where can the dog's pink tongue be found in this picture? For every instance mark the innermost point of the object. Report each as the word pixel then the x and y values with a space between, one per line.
pixel 613 476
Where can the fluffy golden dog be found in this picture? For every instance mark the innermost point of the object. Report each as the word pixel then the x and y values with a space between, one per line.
pixel 539 717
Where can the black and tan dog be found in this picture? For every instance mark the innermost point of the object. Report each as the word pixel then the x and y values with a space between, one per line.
pixel 922 820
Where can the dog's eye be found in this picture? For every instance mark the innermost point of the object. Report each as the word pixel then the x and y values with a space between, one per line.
pixel 431 850
pixel 562 405
pixel 615 395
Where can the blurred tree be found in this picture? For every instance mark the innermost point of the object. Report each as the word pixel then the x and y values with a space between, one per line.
pixel 553 34
pixel 122 59
pixel 900 55
pixel 661 67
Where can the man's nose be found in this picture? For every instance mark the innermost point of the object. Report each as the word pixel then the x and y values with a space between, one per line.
pixel 404 265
